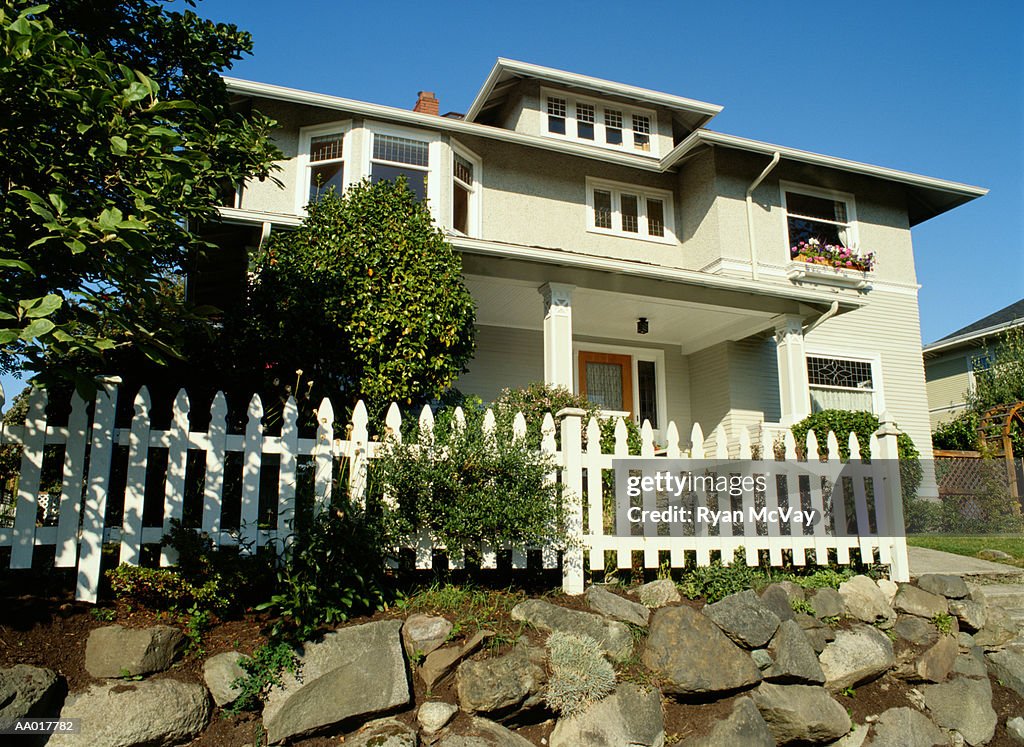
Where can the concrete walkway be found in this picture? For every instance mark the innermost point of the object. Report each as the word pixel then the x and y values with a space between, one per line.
pixel 1004 584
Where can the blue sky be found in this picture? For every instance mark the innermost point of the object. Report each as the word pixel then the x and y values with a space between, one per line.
pixel 935 88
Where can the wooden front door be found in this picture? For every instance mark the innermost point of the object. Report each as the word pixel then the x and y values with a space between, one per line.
pixel 606 379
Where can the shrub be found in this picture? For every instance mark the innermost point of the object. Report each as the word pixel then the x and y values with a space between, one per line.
pixel 466 487
pixel 159 588
pixel 263 671
pixel 958 434
pixel 579 673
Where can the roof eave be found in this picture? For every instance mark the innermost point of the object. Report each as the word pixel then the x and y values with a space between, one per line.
pixel 945 344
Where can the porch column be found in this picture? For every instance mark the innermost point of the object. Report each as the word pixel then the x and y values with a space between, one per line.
pixel 794 398
pixel 558 334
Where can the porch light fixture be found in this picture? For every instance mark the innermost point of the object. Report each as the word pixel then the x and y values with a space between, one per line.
pixel 642 326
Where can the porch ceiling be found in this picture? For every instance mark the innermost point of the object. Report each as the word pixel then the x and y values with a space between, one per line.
pixel 503 302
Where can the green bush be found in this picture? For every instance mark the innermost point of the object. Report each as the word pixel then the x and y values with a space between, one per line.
pixel 330 571
pixel 465 487
pixel 263 671
pixel 958 434
pixel 580 674
pixel 160 589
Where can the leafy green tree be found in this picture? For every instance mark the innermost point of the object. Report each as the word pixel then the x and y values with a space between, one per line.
pixel 118 139
pixel 365 297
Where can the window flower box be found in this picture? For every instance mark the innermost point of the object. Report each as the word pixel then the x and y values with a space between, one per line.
pixel 831 264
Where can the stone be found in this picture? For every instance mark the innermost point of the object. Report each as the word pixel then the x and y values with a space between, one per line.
pixel 888 589
pixel 963 704
pixel 762 658
pixel 1008 667
pixel 915 601
pixel 434 715
pixel 422 634
pixel 629 716
pixel 614 636
pixel 384 732
pixel 966 640
pixel 744 619
pixel 503 686
pixel 777 599
pixel 816 631
pixel 972 616
pixel 481 732
pixel 989 554
pixel 855 738
pixel 1015 729
pixel 126 714
pixel 658 593
pixel 693 656
pixel 349 674
pixel 617 608
pixel 826 603
pixel 800 713
pixel 857 655
pixel 944 584
pixel 905 727
pixel 745 726
pixel 218 673
pixel 936 663
pixel 866 602
pixel 28 692
pixel 916 630
pixel 442 662
pixel 999 629
pixel 970 666
pixel 795 659
pixel 116 651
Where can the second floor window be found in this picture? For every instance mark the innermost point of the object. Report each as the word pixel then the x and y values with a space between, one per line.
pixel 592 121
pixel 630 211
pixel 818 216
pixel 395 156
pixel 326 165
pixel 465 193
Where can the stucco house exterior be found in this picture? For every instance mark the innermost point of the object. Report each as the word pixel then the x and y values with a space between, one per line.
pixel 617 246
pixel 951 361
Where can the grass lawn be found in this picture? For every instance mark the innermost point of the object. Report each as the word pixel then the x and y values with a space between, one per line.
pixel 971 545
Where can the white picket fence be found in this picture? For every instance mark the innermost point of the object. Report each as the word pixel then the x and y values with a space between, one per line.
pixel 89 443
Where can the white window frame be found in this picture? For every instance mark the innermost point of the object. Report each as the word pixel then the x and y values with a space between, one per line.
pixel 653 355
pixel 600 138
pixel 303 164
pixel 824 194
pixel 643 194
pixel 873 359
pixel 476 195
pixel 434 158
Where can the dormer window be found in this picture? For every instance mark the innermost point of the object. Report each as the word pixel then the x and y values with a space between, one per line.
pixel 613 126
pixel 641 132
pixel 591 121
pixel 585 121
pixel 556 115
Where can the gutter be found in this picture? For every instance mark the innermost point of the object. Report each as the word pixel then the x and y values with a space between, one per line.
pixel 940 345
pixel 754 274
pixel 832 311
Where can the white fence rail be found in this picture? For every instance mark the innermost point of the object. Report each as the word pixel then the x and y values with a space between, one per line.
pixel 870 498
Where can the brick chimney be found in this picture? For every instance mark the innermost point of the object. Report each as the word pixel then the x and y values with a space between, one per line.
pixel 426 103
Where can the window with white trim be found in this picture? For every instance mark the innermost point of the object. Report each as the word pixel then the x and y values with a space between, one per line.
pixel 465 192
pixel 394 156
pixel 825 216
pixel 626 210
pixel 323 150
pixel 841 383
pixel 591 121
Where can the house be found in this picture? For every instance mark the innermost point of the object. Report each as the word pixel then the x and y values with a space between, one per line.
pixel 951 362
pixel 618 247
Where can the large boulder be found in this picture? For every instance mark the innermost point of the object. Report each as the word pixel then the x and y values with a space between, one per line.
pixel 999 629
pixel 504 686
pixel 629 716
pixel 943 584
pixel 422 634
pixel 857 655
pixel 775 598
pixel 745 726
pixel 965 705
pixel 480 732
pixel 351 674
pixel 794 659
pixel 916 630
pixel 970 664
pixel 744 618
pixel 915 601
pixel 972 616
pixel 116 651
pixel 617 608
pixel 219 672
pixel 29 692
pixel 693 656
pixel 442 662
pixel 936 663
pixel 866 602
pixel 1008 667
pixel 658 593
pixel 614 636
pixel 155 713
pixel 905 727
pixel 384 732
pixel 827 603
pixel 817 632
pixel 801 713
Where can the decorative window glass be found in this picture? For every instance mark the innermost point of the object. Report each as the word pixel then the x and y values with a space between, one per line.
pixel 647 392
pixel 613 126
pixel 813 217
pixel 641 132
pixel 326 170
pixel 395 157
pixel 604 385
pixel 840 384
pixel 556 115
pixel 602 208
pixel 627 211
pixel 585 121
pixel 655 217
pixel 463 193
pixel 630 208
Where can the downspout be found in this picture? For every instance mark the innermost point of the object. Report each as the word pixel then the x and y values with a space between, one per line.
pixel 750 212
pixel 832 311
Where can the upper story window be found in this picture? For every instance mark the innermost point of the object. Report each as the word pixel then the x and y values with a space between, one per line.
pixel 465 192
pixel 826 216
pixel 323 150
pixel 627 210
pixel 591 121
pixel 841 383
pixel 394 156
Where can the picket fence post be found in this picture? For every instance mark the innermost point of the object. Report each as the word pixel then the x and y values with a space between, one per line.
pixel 892 509
pixel 572 484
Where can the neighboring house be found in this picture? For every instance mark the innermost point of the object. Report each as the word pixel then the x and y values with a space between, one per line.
pixel 617 247
pixel 951 362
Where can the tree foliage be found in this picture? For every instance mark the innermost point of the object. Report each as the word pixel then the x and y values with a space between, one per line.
pixel 1002 381
pixel 118 139
pixel 365 297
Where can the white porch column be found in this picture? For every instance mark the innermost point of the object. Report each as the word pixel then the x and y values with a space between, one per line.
pixel 794 398
pixel 558 334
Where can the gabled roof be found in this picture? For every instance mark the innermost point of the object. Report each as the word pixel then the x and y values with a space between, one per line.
pixel 996 322
pixel 506 73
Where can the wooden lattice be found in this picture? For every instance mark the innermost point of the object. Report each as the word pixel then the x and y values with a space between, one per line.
pixel 994 436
